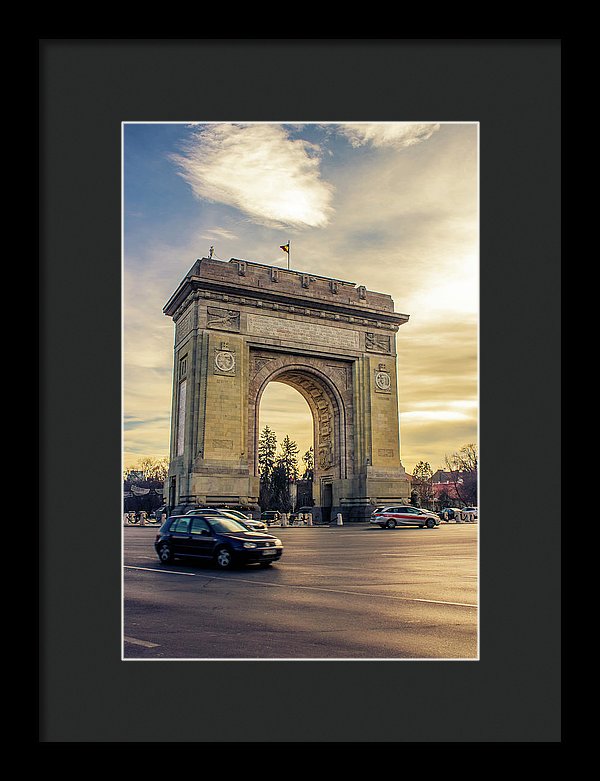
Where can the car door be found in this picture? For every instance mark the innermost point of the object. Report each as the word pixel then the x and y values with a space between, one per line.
pixel 406 516
pixel 202 540
pixel 416 516
pixel 392 514
pixel 180 536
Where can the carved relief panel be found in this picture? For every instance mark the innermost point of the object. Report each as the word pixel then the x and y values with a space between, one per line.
pixel 223 319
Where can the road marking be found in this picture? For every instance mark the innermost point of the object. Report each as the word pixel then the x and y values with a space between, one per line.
pixel 304 588
pixel 145 643
pixel 441 602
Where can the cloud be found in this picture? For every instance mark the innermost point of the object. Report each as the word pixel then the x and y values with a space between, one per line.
pixel 424 416
pixel 405 224
pixel 259 170
pixel 431 441
pixel 398 135
pixel 218 233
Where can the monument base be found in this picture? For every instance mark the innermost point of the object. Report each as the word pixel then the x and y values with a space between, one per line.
pixel 218 488
pixel 356 499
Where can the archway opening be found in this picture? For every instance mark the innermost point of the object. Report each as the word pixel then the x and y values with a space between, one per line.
pixel 290 424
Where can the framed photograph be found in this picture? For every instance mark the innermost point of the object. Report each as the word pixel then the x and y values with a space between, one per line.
pixel 312 291
pixel 315 366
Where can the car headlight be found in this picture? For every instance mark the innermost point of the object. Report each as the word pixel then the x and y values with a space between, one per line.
pixel 249 545
pixel 277 542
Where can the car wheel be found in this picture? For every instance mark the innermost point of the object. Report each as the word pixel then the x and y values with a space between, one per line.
pixel 223 558
pixel 165 555
pixel 391 524
pixel 430 523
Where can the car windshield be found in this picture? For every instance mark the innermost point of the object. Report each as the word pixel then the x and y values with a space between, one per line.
pixel 206 511
pixel 225 525
pixel 235 514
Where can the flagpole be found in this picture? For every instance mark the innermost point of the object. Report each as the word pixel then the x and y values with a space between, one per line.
pixel 289 252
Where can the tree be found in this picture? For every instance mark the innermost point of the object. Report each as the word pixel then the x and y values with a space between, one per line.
pixel 276 470
pixel 148 473
pixel 267 448
pixel 309 464
pixel 463 473
pixel 280 491
pixel 288 458
pixel 156 468
pixel 444 499
pixel 153 469
pixel 422 475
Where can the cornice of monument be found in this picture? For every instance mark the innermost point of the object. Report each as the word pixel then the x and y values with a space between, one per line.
pixel 259 285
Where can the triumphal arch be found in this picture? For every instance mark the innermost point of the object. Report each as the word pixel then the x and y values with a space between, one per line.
pixel 240 325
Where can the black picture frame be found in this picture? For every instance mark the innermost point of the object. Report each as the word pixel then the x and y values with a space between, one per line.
pixel 88 87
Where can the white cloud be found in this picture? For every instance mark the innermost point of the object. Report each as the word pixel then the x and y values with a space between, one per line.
pixel 259 170
pixel 218 233
pixel 426 415
pixel 392 134
pixel 405 224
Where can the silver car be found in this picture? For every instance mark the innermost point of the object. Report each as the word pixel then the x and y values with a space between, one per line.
pixel 390 517
pixel 254 526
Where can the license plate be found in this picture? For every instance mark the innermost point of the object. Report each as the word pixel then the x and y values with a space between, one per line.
pixel 270 552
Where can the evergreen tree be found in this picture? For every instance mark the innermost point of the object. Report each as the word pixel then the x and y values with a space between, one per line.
pixel 288 458
pixel 267 448
pixel 280 491
pixel 276 470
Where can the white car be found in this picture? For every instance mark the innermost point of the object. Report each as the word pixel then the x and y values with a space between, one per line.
pixel 249 523
pixel 390 517
pixel 469 514
pixel 247 520
pixel 451 514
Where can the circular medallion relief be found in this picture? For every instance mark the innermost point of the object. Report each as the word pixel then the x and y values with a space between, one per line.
pixel 225 361
pixel 382 380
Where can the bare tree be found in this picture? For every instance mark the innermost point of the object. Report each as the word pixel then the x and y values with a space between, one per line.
pixel 154 468
pixel 462 467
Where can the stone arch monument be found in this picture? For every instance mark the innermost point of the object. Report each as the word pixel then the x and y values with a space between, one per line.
pixel 241 325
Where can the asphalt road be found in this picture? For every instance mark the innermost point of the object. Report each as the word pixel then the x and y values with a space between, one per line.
pixel 337 593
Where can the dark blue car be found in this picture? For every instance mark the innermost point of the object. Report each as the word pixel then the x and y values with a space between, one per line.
pixel 223 540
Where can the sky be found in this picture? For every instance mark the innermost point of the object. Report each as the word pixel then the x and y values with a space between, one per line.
pixel 392 206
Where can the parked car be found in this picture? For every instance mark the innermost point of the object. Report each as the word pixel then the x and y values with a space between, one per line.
pixel 390 517
pixel 255 526
pixel 469 514
pixel 270 516
pixel 223 540
pixel 450 514
pixel 251 524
